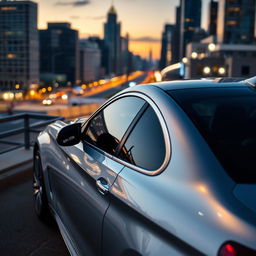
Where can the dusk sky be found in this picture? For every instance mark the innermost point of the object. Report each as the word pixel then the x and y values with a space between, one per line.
pixel 142 19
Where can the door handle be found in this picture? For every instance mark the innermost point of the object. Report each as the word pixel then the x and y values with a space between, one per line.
pixel 102 186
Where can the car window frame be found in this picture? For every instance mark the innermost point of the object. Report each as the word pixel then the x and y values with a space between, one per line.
pixel 148 103
pixel 88 121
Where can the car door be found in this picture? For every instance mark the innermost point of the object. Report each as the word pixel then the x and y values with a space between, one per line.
pixel 145 153
pixel 80 189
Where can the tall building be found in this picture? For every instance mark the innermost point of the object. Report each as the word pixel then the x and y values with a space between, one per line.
pixel 176 38
pixel 112 40
pixel 90 61
pixel 150 58
pixel 124 63
pixel 59 53
pixel 100 43
pixel 190 20
pixel 236 22
pixel 166 49
pixel 19 50
pixel 213 15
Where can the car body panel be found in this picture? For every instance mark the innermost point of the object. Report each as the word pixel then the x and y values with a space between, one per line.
pixel 198 199
pixel 190 207
pixel 70 185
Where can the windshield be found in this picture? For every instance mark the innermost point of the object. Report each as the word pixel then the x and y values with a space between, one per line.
pixel 226 117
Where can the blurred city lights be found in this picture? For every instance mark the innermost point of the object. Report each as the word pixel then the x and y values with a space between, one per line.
pixel 8 96
pixel 194 55
pixel 53 96
pixel 47 102
pixel 211 47
pixel 64 96
pixel 158 76
pixel 207 70
pixel 185 60
pixel 32 93
pixel 131 84
pixel 222 71
pixel 18 95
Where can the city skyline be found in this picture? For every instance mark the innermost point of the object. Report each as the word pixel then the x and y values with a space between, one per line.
pixel 143 23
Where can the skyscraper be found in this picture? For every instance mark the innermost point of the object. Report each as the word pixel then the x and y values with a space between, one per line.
pixel 59 52
pixel 90 61
pixel 176 38
pixel 190 20
pixel 112 40
pixel 166 49
pixel 124 54
pixel 213 14
pixel 19 50
pixel 236 21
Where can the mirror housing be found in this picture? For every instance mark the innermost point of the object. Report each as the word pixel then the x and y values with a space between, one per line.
pixel 69 135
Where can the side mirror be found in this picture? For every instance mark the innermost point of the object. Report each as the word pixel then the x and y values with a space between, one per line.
pixel 69 135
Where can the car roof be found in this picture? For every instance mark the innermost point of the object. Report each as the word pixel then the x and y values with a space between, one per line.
pixel 204 83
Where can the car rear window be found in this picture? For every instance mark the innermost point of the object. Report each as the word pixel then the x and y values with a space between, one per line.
pixel 226 117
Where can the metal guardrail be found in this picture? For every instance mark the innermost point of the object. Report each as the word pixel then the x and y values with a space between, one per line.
pixel 26 129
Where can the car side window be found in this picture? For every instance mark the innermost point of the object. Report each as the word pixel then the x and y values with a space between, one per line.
pixel 145 146
pixel 107 128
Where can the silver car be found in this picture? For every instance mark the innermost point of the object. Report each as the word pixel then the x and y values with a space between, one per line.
pixel 160 169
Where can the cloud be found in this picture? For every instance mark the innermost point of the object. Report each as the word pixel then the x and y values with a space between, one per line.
pixel 145 39
pixel 96 17
pixel 74 3
pixel 74 17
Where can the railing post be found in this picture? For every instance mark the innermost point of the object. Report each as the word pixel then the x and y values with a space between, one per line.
pixel 26 132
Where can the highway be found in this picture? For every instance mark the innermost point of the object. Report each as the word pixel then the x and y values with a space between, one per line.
pixel 21 233
pixel 112 91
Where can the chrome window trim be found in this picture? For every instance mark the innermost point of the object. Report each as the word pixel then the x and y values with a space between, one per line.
pixel 104 105
pixel 162 124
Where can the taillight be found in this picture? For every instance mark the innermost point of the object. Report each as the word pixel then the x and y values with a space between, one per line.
pixel 235 249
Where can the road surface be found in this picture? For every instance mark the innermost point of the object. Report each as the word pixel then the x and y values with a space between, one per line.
pixel 112 91
pixel 21 233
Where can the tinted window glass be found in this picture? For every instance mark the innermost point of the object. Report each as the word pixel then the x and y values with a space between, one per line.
pixel 145 145
pixel 226 118
pixel 107 128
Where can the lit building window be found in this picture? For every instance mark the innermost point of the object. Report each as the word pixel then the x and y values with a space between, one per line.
pixel 58 31
pixel 191 28
pixel 8 33
pixel 8 8
pixel 232 23
pixel 233 9
pixel 189 20
pixel 11 56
